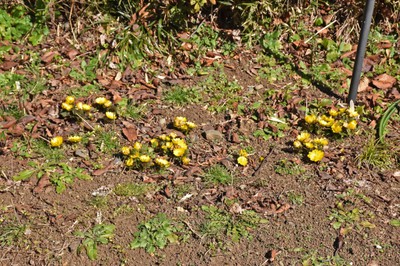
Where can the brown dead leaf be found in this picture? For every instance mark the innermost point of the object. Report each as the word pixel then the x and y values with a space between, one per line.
pixel 72 53
pixel 7 65
pixel 130 133
pixel 283 208
pixel 363 84
pixel 48 57
pixel 271 255
pixel 43 182
pixel 103 170
pixel 384 81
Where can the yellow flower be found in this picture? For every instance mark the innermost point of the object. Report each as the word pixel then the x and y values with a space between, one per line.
pixel 336 127
pixel 310 119
pixel 56 141
pixel 144 158
pixel 309 145
pixel 125 150
pixel 111 115
pixel 180 143
pixel 169 145
pixel 74 139
pixel 352 124
pixel 179 152
pixel 86 107
pixel 185 160
pixel 316 155
pixel 242 160
pixel 69 100
pixel 333 112
pixel 154 142
pixel 101 100
pixel 297 144
pixel 179 121
pixel 107 103
pixel 191 125
pixel 79 106
pixel 162 162
pixel 321 141
pixel 243 153
pixel 326 121
pixel 304 137
pixel 67 106
pixel 173 135
pixel 342 110
pixel 162 137
pixel 137 146
pixel 352 113
pixel 129 162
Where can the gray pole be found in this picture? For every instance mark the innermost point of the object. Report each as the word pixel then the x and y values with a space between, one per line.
pixel 362 44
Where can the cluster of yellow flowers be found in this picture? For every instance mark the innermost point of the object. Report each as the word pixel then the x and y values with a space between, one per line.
pixel 59 140
pixel 314 146
pixel 182 124
pixel 335 120
pixel 242 159
pixel 102 102
pixel 138 156
pixel 168 146
pixel 172 146
pixel 69 102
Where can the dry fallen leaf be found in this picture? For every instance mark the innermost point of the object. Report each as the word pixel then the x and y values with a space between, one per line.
pixel 384 81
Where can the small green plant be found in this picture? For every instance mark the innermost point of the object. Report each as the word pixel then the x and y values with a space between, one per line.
pixel 295 198
pixel 129 109
pixel 87 71
pixel 375 154
pixel 11 234
pixel 313 259
pixel 285 167
pixel 346 214
pixel 99 234
pixel 384 120
pixel 220 223
pixel 155 233
pixel 181 96
pixel 218 174
pixel 134 189
pixel 274 129
pixel 61 174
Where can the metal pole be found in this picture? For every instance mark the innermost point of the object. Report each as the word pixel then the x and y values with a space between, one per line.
pixel 362 44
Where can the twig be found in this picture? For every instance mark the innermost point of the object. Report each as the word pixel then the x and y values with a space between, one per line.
pixel 263 162
pixel 318 32
pixel 86 122
pixel 191 229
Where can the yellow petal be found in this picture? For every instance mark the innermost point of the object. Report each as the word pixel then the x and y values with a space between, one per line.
pixel 101 100
pixel 74 139
pixel 69 99
pixel 67 106
pixel 111 115
pixel 125 150
pixel 56 141
pixel 179 152
pixel 242 160
pixel 144 158
pixel 316 155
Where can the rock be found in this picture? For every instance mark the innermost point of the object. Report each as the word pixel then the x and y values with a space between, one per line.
pixel 213 135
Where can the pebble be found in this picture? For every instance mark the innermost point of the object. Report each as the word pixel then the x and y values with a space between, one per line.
pixel 213 135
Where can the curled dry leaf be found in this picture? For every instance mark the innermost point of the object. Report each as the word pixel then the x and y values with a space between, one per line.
pixel 384 81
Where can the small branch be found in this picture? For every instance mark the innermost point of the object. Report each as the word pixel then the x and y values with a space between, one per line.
pixel 318 32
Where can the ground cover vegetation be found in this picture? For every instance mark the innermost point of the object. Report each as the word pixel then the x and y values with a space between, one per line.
pixel 198 132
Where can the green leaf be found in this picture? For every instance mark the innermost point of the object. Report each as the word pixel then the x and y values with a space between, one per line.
pixel 91 248
pixel 24 175
pixel 395 223
pixel 337 225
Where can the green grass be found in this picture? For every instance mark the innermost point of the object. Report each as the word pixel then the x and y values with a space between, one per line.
pixel 128 109
pixel 182 96
pixel 285 167
pixel 134 189
pixel 220 224
pixel 107 141
pixel 218 174
pixel 12 234
pixel 375 154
